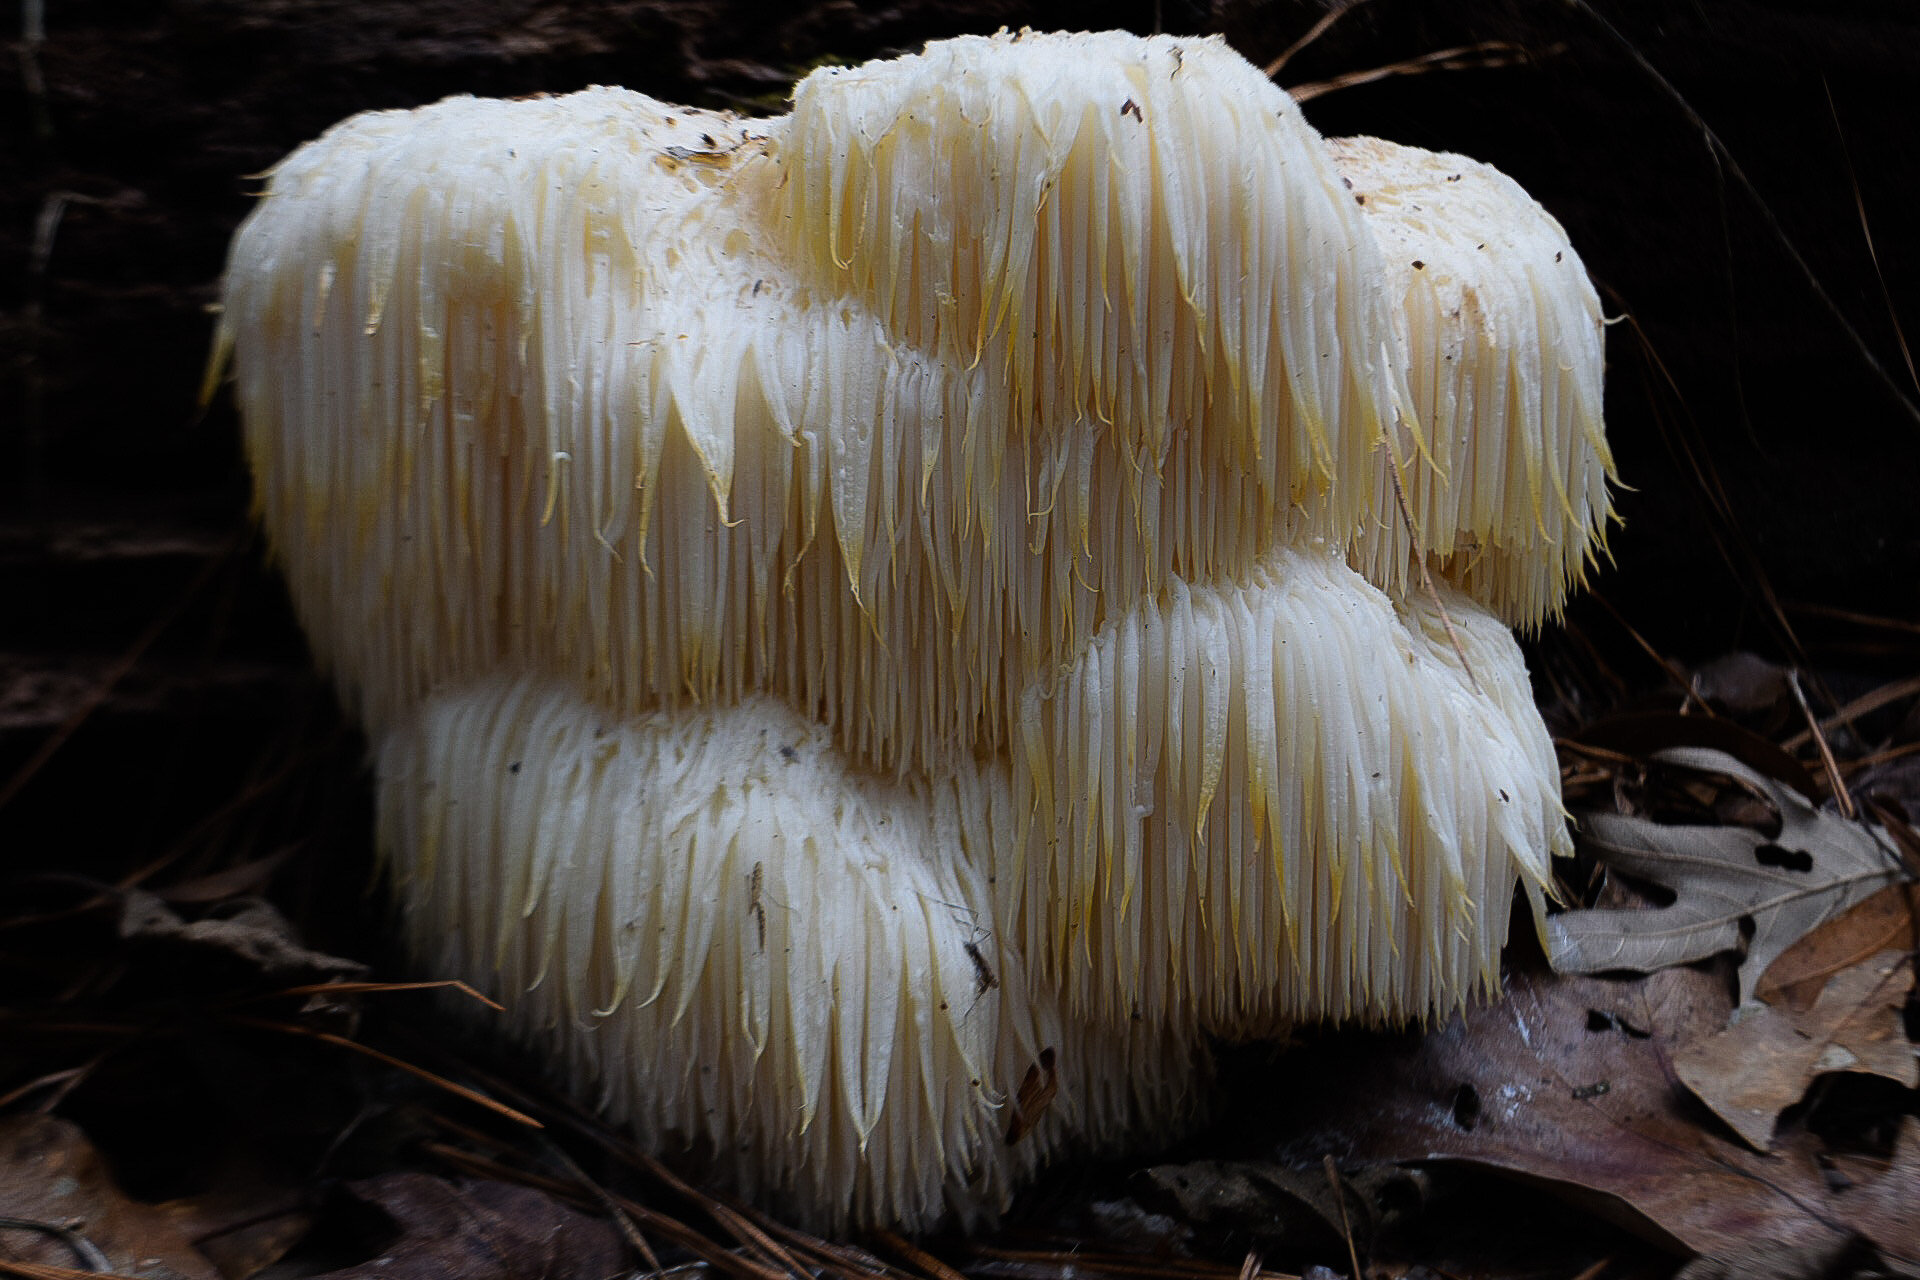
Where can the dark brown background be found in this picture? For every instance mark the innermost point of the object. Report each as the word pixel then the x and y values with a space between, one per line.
pixel 126 135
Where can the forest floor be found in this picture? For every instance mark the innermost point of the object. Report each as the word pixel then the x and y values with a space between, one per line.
pixel 214 1063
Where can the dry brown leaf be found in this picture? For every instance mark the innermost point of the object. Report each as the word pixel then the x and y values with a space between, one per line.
pixel 249 931
pixel 1764 1063
pixel 1741 682
pixel 1887 921
pixel 1724 878
pixel 50 1173
pixel 1568 1082
pixel 246 1219
pixel 1893 1193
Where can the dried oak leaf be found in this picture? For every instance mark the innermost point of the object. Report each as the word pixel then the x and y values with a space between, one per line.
pixel 1888 920
pixel 1818 866
pixel 1568 1082
pixel 51 1174
pixel 1762 1064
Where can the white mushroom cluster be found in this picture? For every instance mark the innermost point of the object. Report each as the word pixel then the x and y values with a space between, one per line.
pixel 885 627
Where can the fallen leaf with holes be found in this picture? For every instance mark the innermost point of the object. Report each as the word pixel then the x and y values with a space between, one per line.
pixel 1568 1083
pixel 1762 1064
pixel 1818 866
pixel 1887 921
pixel 50 1174
pixel 480 1231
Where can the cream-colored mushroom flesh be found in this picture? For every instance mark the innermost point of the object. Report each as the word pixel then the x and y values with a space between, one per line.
pixel 735 942
pixel 853 609
pixel 1285 799
pixel 1502 339
pixel 586 378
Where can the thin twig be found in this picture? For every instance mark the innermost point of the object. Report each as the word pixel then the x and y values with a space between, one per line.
pixel 1834 779
pixel 1881 757
pixel 1767 214
pixel 848 1258
pixel 1905 838
pixel 755 1231
pixel 735 1219
pixel 65 1080
pixel 1340 1198
pixel 378 988
pixel 1811 610
pixel 33 34
pixel 84 1249
pixel 1314 32
pixel 1673 673
pixel 476 1165
pixel 1866 234
pixel 185 843
pixel 114 675
pixel 1619 759
pixel 47 1271
pixel 1484 56
pixel 1863 705
pixel 919 1257
pixel 621 1218
pixel 1729 538
pixel 1082 1263
pixel 669 1228
pixel 438 1081
pixel 698 1243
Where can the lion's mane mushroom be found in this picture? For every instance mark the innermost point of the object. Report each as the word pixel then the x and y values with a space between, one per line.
pixel 854 610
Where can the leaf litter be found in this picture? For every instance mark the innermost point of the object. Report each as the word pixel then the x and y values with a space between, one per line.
pixel 1605 1125
pixel 1762 1064
pixel 1754 1110
pixel 1731 885
pixel 1886 921
pixel 1570 1080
